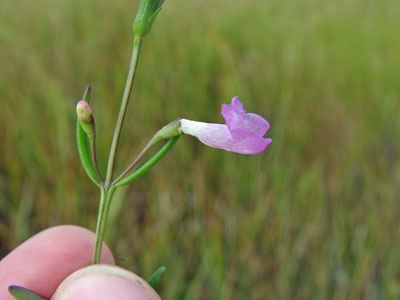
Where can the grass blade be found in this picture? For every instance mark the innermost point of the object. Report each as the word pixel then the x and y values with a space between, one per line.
pixel 155 278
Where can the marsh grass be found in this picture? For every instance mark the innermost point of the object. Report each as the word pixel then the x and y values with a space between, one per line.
pixel 315 216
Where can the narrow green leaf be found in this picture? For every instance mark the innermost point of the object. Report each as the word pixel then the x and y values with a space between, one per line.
pixel 85 154
pixel 83 145
pixel 20 293
pixel 147 166
pixel 155 278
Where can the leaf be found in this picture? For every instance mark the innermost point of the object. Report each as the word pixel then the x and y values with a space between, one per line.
pixel 85 154
pixel 143 169
pixel 83 145
pixel 155 278
pixel 20 293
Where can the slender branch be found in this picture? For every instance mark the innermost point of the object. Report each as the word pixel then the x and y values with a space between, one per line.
pixel 122 112
pixel 168 131
pixel 135 161
pixel 148 165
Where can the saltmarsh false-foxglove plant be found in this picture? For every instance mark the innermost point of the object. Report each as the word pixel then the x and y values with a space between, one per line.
pixel 242 133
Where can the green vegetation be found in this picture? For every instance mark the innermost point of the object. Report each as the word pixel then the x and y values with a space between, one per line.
pixel 316 216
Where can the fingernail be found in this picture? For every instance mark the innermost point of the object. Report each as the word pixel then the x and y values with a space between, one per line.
pixel 105 282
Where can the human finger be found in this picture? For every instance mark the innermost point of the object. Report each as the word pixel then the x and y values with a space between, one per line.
pixel 42 262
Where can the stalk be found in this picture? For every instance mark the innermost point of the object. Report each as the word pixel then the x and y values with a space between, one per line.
pixel 107 191
pixel 105 202
pixel 122 112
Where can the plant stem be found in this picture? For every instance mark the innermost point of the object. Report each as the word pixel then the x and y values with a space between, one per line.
pixel 148 165
pixel 122 112
pixel 168 131
pixel 100 219
pixel 107 191
pixel 105 201
pixel 135 161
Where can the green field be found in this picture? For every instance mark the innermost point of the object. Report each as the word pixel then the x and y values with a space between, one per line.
pixel 316 216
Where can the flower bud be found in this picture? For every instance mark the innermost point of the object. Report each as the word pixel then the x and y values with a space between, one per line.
pixel 147 13
pixel 84 112
pixel 85 117
pixel 142 18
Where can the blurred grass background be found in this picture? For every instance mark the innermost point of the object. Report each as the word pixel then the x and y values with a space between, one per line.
pixel 316 216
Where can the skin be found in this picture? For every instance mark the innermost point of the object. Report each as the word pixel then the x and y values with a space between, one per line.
pixel 45 260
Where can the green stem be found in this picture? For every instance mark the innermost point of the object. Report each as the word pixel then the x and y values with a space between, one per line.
pixel 122 112
pixel 105 202
pixel 147 166
pixel 107 191
pixel 168 131
pixel 100 220
pixel 134 162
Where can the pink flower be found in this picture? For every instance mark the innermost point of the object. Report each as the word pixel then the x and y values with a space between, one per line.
pixel 243 132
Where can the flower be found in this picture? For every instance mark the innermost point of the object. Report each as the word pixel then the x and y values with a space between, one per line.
pixel 243 132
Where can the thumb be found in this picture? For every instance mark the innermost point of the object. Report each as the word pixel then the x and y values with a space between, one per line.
pixel 105 282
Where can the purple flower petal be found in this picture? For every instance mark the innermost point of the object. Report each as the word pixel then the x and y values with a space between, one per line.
pixel 218 136
pixel 235 117
pixel 243 132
